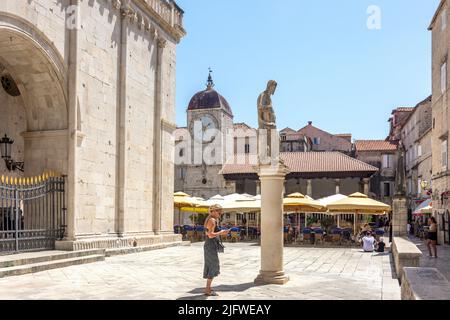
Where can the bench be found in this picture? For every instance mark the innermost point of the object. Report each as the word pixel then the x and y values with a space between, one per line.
pixel 424 284
pixel 405 254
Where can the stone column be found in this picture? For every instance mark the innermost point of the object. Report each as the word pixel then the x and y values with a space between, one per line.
pixel 338 185
pixel 399 216
pixel 309 187
pixel 157 173
pixel 272 181
pixel 72 184
pixel 121 168
pixel 366 182
pixel 258 187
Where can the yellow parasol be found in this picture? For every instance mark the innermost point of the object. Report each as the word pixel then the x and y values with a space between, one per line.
pixel 184 202
pixel 359 203
pixel 242 204
pixel 297 202
pixel 181 199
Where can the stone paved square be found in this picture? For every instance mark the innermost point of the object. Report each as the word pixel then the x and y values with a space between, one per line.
pixel 176 273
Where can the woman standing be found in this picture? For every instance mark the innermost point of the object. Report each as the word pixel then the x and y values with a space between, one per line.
pixel 432 237
pixel 212 265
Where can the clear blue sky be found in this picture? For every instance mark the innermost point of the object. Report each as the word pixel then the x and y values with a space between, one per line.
pixel 330 68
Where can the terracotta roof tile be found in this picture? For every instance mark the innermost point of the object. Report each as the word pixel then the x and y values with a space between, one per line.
pixel 375 145
pixel 403 109
pixel 302 162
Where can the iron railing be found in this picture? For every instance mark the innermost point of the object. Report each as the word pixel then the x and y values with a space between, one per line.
pixel 32 213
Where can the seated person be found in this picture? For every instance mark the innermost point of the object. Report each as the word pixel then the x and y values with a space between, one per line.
pixel 368 242
pixel 381 245
pixel 365 229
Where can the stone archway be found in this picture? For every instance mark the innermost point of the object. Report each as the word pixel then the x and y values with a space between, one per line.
pixel 34 115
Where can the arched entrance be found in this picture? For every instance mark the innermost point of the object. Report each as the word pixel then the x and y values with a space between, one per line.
pixel 33 104
pixel 34 113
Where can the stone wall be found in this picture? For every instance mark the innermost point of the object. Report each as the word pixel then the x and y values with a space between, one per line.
pixel 405 254
pixel 107 123
pixel 424 284
pixel 323 187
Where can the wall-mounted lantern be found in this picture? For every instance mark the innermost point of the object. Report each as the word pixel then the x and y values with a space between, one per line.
pixel 5 149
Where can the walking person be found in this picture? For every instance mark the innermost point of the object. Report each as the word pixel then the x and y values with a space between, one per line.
pixel 432 237
pixel 211 248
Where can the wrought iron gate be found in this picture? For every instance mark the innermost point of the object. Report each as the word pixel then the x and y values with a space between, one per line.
pixel 32 213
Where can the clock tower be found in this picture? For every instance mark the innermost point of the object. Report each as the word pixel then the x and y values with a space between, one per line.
pixel 209 119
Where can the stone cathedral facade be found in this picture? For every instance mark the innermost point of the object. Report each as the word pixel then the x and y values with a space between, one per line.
pixel 88 90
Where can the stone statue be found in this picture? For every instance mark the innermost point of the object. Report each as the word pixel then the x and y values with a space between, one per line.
pixel 266 114
pixel 400 175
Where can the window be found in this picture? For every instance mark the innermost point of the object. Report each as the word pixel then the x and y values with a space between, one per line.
pixel 419 186
pixel 283 137
pixel 316 141
pixel 419 150
pixel 444 77
pixel 181 153
pixel 387 161
pixel 387 189
pixel 444 20
pixel 445 154
pixel 409 186
pixel 247 148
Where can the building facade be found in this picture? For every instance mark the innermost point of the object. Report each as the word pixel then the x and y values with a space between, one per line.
pixel 325 141
pixel 441 121
pixel 88 90
pixel 416 138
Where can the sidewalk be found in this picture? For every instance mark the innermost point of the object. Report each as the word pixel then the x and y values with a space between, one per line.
pixel 442 263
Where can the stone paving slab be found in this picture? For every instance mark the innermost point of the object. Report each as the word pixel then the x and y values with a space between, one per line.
pixel 176 273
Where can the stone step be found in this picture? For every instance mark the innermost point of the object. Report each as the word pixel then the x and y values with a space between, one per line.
pixel 48 265
pixel 44 256
pixel 131 250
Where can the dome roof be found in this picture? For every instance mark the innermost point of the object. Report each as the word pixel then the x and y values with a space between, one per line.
pixel 209 99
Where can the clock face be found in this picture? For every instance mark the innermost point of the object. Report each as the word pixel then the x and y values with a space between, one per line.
pixel 207 123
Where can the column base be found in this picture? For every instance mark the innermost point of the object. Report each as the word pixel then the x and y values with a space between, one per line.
pixel 267 277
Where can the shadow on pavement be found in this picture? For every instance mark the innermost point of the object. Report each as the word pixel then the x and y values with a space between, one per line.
pixel 381 254
pixel 228 288
pixel 197 297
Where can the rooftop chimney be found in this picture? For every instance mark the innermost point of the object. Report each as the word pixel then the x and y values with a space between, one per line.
pixel 310 123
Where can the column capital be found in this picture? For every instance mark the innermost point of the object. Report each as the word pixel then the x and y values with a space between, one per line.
pixel 161 42
pixel 116 4
pixel 127 12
